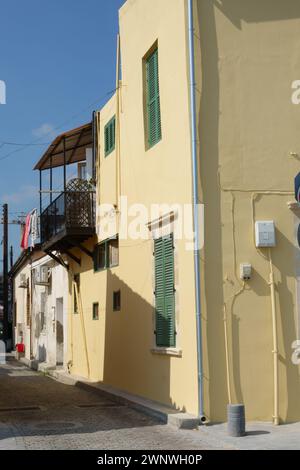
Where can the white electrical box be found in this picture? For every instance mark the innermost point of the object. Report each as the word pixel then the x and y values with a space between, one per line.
pixel 245 271
pixel 265 233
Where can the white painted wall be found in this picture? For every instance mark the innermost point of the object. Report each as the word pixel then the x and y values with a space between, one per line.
pixel 44 339
pixel 22 330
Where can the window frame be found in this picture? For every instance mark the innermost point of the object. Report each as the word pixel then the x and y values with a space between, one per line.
pixel 164 280
pixel 107 264
pixel 150 141
pixel 95 304
pixel 117 308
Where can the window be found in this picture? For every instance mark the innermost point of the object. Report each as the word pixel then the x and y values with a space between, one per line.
pixel 106 254
pixel 82 170
pixel 95 311
pixel 77 282
pixel 110 136
pixel 113 252
pixel 164 292
pixel 100 257
pixel 117 301
pixel 153 117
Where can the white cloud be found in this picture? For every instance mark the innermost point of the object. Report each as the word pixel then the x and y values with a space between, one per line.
pixel 45 130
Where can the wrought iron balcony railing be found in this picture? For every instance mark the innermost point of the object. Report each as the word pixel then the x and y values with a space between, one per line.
pixel 71 214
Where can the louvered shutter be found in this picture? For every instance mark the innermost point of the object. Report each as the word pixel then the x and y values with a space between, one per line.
pixel 164 292
pixel 110 136
pixel 153 100
pixel 106 139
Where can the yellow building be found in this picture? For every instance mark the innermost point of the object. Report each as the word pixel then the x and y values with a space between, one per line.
pixel 124 328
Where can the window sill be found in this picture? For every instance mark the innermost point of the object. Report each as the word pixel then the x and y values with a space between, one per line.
pixel 167 351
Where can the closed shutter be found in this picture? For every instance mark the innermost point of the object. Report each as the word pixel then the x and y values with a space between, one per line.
pixel 153 100
pixel 164 292
pixel 110 136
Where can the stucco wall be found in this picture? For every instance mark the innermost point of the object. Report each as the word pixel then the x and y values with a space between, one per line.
pixel 45 340
pixel 120 343
pixel 247 57
pixel 20 298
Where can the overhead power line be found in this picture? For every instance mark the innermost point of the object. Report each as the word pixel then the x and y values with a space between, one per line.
pixel 23 146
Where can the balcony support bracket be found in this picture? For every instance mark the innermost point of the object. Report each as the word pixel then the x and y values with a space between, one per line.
pixel 86 251
pixel 73 257
pixel 82 248
pixel 58 259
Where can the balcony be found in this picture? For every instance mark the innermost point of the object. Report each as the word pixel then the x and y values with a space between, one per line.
pixel 70 218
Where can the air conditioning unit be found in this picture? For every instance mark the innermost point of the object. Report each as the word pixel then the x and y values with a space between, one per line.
pixel 42 276
pixel 23 281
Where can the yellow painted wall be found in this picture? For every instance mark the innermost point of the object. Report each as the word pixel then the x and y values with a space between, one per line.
pixel 121 354
pixel 247 56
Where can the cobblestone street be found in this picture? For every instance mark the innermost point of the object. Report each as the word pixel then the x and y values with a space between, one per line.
pixel 36 412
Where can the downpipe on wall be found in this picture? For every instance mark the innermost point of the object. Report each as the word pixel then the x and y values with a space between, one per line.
pixel 196 227
pixel 275 344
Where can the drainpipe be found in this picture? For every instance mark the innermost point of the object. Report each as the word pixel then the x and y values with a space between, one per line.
pixel 275 344
pixel 196 221
pixel 94 146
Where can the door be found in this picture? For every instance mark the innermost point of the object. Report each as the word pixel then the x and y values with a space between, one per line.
pixel 59 331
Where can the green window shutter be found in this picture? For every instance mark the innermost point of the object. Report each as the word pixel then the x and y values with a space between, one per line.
pixel 164 292
pixel 110 136
pixel 153 100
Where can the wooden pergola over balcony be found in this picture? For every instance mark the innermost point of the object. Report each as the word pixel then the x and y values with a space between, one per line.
pixel 69 219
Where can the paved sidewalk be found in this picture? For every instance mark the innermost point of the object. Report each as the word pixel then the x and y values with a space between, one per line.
pixel 259 436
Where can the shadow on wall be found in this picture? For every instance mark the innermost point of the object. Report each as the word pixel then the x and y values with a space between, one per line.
pixel 128 362
pixel 212 267
pixel 257 11
pixel 42 354
pixel 286 323
pixel 208 105
pixel 37 325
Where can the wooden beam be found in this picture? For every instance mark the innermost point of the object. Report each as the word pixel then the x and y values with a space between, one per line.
pixel 76 244
pixel 73 257
pixel 76 146
pixel 58 259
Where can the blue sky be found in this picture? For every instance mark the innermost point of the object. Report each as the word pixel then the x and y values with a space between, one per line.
pixel 57 58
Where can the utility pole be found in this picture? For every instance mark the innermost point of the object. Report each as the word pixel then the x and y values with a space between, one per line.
pixel 5 272
pixel 7 285
pixel 11 253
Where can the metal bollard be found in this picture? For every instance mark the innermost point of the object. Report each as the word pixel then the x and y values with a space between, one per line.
pixel 236 420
